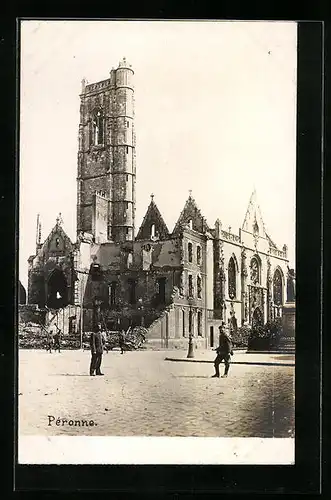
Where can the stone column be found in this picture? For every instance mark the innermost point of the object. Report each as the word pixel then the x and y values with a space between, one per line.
pixel 269 290
pixel 244 274
pixel 219 280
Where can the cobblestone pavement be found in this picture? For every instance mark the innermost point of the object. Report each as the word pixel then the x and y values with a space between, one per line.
pixel 142 394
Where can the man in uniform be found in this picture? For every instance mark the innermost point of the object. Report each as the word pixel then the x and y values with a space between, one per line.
pixel 122 341
pixel 224 352
pixel 57 340
pixel 49 341
pixel 96 343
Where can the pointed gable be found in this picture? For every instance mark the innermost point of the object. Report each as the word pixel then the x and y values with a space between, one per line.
pixel 191 217
pixel 253 222
pixel 153 225
pixel 57 242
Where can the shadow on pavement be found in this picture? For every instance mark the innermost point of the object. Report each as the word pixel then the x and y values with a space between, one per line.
pixel 69 375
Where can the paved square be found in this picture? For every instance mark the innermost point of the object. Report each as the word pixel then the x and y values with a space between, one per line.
pixel 141 394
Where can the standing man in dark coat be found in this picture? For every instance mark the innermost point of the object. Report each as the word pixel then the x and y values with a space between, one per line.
pixel 49 341
pixel 57 340
pixel 122 341
pixel 96 343
pixel 224 352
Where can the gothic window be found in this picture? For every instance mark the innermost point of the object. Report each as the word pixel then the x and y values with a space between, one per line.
pixel 132 291
pixel 255 271
pixel 98 128
pixel 190 285
pixel 129 260
pixel 190 224
pixel 57 242
pixel 278 288
pixel 161 288
pixel 153 231
pixel 190 252
pixel 199 255
pixel 95 272
pixel 199 287
pixel 232 279
pixel 256 229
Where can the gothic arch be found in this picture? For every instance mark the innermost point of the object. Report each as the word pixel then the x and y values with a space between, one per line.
pixel 255 269
pixel 278 268
pixel 234 257
pixel 278 282
pixel 233 270
pixel 190 251
pixel 97 127
pixel 57 290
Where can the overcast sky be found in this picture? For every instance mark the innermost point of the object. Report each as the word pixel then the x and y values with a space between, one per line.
pixel 215 113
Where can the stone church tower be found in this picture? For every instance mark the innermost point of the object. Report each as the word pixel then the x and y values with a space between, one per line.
pixel 106 158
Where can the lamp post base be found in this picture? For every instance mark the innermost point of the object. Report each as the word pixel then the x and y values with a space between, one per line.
pixel 190 353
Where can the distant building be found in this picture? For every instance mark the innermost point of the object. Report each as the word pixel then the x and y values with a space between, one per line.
pixel 174 283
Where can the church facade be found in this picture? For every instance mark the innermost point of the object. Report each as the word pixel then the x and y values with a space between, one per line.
pixel 175 283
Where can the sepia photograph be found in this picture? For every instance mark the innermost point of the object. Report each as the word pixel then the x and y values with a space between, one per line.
pixel 157 273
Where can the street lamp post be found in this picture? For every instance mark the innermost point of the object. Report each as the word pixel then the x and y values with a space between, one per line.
pixel 141 310
pixel 190 353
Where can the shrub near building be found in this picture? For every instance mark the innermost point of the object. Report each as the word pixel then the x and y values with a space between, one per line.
pixel 265 337
pixel 241 336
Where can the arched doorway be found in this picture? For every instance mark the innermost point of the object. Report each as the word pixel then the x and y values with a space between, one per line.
pixel 57 290
pixel 257 318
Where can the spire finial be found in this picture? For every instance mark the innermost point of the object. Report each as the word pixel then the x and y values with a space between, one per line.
pixel 38 231
pixel 59 219
pixel 152 197
pixel 190 193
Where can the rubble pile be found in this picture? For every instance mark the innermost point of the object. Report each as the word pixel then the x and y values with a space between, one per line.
pixel 30 336
pixel 33 336
pixel 133 339
pixel 136 337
